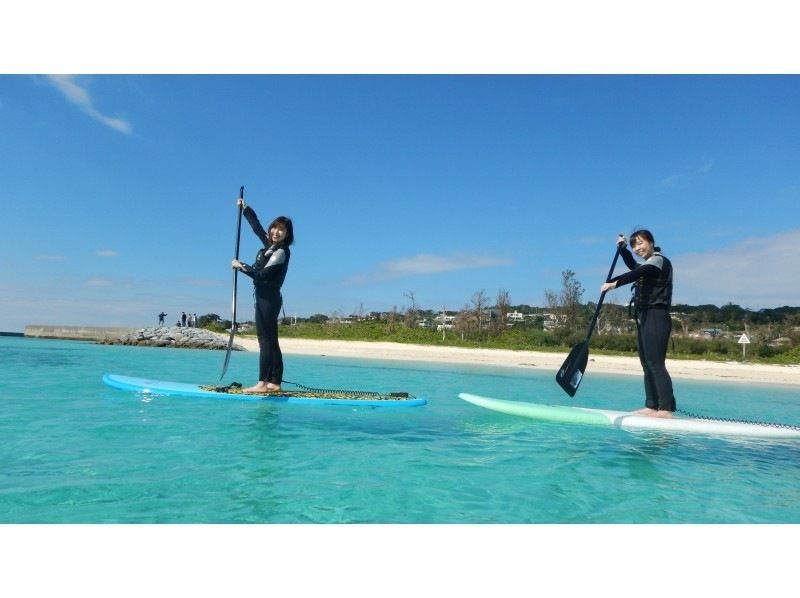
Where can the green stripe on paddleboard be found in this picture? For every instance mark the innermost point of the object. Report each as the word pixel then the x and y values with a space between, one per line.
pixel 553 413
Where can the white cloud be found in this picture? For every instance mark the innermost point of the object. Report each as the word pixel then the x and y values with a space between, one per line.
pixel 424 264
pixel 679 178
pixel 107 253
pixel 99 282
pixel 50 258
pixel 757 272
pixel 706 167
pixel 70 89
pixel 672 180
pixel 203 282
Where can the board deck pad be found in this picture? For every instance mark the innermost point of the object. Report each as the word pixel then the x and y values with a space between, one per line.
pixel 310 393
pixel 233 392
pixel 632 422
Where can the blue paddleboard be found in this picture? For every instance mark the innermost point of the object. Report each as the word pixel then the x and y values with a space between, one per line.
pixel 182 389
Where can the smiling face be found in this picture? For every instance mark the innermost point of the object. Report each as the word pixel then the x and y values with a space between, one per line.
pixel 277 233
pixel 642 247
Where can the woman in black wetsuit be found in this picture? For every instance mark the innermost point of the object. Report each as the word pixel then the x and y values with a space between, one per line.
pixel 268 273
pixel 652 298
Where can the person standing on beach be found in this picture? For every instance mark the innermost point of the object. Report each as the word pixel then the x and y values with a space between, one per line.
pixel 268 273
pixel 161 317
pixel 652 298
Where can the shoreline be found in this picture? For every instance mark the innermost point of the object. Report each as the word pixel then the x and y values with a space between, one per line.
pixel 711 371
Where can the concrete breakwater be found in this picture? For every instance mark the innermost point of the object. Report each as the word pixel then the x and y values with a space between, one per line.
pixel 156 336
pixel 77 333
pixel 172 336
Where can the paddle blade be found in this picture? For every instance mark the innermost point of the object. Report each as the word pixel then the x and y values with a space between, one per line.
pixel 571 373
pixel 233 329
pixel 227 358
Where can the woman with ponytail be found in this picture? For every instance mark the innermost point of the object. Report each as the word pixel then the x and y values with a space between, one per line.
pixel 652 298
pixel 268 273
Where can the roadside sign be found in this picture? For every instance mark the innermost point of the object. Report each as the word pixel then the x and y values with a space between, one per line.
pixel 744 341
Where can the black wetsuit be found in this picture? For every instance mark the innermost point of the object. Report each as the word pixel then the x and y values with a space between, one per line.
pixel 652 299
pixel 268 273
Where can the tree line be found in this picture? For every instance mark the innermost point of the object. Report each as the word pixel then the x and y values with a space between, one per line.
pixel 560 323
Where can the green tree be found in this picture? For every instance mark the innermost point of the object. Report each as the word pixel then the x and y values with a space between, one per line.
pixel 213 322
pixel 566 304
pixel 502 308
pixel 412 312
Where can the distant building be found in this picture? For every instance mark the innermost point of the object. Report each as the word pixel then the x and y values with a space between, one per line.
pixel 712 332
pixel 444 322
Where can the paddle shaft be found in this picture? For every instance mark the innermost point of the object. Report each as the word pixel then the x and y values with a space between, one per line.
pixel 236 253
pixel 602 295
pixel 571 373
pixel 235 287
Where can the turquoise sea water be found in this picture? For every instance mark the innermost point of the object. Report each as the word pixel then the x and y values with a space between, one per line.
pixel 76 451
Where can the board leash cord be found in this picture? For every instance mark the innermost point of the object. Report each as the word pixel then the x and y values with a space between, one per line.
pixel 358 393
pixel 739 421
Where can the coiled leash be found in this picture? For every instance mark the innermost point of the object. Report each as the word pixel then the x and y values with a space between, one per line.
pixel 347 392
pixel 738 421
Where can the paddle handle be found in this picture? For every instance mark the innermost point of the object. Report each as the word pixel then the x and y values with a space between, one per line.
pixel 239 224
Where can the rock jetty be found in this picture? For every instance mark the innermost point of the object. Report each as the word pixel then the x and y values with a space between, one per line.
pixel 173 336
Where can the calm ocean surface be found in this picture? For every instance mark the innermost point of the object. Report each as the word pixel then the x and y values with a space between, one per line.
pixel 76 451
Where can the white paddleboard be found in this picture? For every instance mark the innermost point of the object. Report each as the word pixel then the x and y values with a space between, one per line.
pixel 630 422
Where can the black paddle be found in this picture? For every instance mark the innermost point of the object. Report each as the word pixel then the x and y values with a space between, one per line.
pixel 235 281
pixel 571 373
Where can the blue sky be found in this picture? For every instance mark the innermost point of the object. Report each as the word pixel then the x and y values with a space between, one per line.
pixel 118 194
pixel 117 189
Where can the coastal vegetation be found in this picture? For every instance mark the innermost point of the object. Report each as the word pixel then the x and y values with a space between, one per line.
pixel 699 332
pixel 767 343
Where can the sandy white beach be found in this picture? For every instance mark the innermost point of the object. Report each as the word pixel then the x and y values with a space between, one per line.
pixel 697 370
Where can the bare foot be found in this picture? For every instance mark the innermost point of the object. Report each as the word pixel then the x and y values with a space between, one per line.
pixel 259 387
pixel 273 387
pixel 645 411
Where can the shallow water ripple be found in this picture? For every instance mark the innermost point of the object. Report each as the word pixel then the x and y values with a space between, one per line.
pixel 76 451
